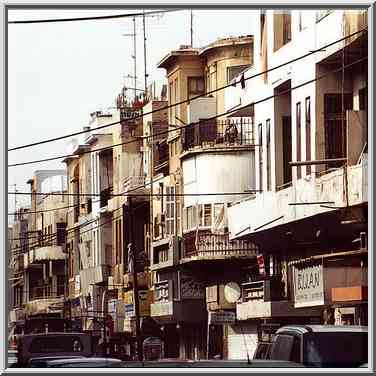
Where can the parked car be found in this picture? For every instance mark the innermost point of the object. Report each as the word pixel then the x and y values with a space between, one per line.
pixel 83 363
pixel 43 361
pixel 176 363
pixel 321 345
pixel 42 345
pixel 12 358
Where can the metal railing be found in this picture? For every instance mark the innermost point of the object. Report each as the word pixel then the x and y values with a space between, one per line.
pixel 43 292
pixel 218 133
pixel 132 182
pixel 208 244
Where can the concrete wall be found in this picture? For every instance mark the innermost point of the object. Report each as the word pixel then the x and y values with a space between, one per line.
pixel 229 172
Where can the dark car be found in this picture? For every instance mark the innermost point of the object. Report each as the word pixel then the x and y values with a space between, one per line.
pixel 176 363
pixel 84 363
pixel 321 345
pixel 43 361
pixel 42 345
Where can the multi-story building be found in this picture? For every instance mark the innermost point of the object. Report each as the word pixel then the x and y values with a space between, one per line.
pixel 18 246
pixel 44 258
pixel 194 261
pixel 309 218
pixel 89 243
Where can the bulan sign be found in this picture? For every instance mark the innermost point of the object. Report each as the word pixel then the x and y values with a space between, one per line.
pixel 308 286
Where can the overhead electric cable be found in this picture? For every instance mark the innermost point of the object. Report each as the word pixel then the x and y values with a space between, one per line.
pixel 91 18
pixel 193 98
pixel 188 125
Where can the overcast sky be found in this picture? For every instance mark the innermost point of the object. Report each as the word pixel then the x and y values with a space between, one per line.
pixel 60 72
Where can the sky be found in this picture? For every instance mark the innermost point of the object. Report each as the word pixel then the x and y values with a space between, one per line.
pixel 58 73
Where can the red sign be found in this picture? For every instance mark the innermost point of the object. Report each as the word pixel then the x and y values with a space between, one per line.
pixel 261 264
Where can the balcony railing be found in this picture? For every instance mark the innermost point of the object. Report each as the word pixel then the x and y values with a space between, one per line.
pixel 133 183
pixel 218 133
pixel 206 244
pixel 40 292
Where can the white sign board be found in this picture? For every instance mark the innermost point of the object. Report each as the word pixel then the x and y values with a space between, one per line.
pixel 219 318
pixel 308 286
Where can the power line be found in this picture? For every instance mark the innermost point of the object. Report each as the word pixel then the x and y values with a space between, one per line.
pixel 187 125
pixel 143 194
pixel 42 211
pixel 52 236
pixel 126 15
pixel 191 99
pixel 91 221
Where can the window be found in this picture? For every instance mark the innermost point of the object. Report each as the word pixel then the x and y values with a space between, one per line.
pixel 362 99
pixel 170 210
pixel 282 28
pixel 308 132
pixel 298 139
pixel 172 121
pixel 207 215
pixel 191 217
pixel 178 207
pixel 195 86
pixel 234 71
pixel 260 155
pixel 60 233
pixel 268 156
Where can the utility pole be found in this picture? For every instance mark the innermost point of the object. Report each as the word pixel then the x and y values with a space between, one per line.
pixel 191 27
pixel 15 202
pixel 133 261
pixel 134 56
pixel 145 75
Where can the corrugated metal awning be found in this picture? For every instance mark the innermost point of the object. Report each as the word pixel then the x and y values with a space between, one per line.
pixel 49 253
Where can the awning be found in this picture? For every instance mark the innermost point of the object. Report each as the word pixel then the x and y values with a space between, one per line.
pixel 243 112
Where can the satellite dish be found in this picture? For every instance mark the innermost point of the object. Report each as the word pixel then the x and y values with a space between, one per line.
pixel 232 292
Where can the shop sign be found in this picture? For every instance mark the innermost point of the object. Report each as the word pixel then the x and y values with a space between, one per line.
pixel 308 285
pixel 112 309
pixel 129 310
pixel 219 318
pixel 191 288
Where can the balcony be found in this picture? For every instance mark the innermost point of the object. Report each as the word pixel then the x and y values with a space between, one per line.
pixel 44 305
pixel 166 309
pixel 94 275
pixel 217 133
pixel 264 299
pixel 46 292
pixel 165 253
pixel 208 246
pixel 47 253
pixel 272 209
pixel 135 185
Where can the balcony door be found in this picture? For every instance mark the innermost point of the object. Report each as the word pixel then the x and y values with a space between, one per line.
pixel 287 148
pixel 335 126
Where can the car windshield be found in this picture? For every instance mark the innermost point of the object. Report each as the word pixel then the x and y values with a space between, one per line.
pixel 349 349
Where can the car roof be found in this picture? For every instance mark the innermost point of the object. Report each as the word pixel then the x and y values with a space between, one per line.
pixel 54 334
pixel 83 360
pixel 56 357
pixel 257 363
pixel 323 329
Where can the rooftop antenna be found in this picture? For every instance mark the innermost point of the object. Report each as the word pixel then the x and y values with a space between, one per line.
pixel 134 56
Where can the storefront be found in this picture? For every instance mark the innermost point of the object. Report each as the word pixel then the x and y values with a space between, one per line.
pixel 337 284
